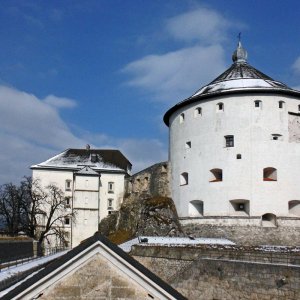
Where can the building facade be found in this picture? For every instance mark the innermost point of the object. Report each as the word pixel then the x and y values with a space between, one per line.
pixel 235 149
pixel 93 185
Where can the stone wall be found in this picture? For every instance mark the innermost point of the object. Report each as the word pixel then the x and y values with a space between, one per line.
pixel 153 181
pixel 197 277
pixel 247 235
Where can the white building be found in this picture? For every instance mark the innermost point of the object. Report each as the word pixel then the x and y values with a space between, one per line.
pixel 235 150
pixel 93 182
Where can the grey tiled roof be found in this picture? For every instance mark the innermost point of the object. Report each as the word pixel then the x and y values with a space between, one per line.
pixel 97 159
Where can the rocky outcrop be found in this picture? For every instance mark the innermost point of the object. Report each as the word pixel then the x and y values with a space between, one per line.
pixel 154 216
pixel 147 208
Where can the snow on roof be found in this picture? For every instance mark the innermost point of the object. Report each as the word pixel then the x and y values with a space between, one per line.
pixel 173 241
pixel 13 271
pixel 96 159
pixel 240 76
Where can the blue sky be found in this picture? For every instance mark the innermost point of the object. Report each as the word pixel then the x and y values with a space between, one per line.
pixel 104 72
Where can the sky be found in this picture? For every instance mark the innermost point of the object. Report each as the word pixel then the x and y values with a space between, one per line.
pixel 104 72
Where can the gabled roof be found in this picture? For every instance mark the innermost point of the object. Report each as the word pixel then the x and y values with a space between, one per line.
pixel 32 283
pixel 97 159
pixel 87 171
pixel 240 77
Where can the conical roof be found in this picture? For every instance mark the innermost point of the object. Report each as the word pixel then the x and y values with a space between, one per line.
pixel 240 77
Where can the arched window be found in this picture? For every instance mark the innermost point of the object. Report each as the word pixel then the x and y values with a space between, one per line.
pixel 268 220
pixel 281 104
pixel 258 104
pixel 216 175
pixel 181 118
pixel 294 207
pixel 220 107
pixel 270 174
pixel 197 112
pixel 240 207
pixel 184 178
pixel 196 208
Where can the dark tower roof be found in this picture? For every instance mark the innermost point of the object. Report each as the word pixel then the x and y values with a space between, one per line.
pixel 239 78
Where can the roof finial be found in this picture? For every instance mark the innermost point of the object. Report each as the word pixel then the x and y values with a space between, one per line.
pixel 240 54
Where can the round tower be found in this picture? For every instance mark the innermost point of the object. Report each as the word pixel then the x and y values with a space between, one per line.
pixel 235 149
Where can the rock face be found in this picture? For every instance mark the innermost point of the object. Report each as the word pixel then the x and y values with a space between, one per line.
pixel 146 209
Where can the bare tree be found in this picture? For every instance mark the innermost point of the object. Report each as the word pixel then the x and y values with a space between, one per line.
pixel 38 211
pixel 10 208
pixel 46 210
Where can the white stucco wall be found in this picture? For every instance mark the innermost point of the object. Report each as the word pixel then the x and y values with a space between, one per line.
pixel 89 198
pixel 242 178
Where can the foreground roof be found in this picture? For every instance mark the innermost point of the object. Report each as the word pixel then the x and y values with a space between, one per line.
pixel 33 284
pixel 96 159
pixel 241 77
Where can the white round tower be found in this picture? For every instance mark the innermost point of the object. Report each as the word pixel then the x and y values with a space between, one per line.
pixel 235 149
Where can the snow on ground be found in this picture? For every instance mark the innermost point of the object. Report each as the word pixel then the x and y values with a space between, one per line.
pixel 174 241
pixel 11 271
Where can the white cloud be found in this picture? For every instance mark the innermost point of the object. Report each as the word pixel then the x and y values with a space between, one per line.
pixel 32 131
pixel 203 24
pixel 176 75
pixel 60 102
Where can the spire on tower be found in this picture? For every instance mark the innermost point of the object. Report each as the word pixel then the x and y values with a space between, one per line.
pixel 240 54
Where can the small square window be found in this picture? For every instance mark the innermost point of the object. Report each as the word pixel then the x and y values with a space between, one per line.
pixel 188 145
pixel 67 221
pixel 239 156
pixel 229 141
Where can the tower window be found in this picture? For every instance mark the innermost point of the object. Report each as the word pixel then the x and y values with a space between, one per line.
pixel 181 118
pixel 281 104
pixel 220 106
pixel 196 208
pixel 270 174
pixel 258 104
pixel 188 145
pixel 111 187
pixel 217 175
pixel 184 178
pixel 110 204
pixel 68 185
pixel 276 137
pixel 229 141
pixel 197 112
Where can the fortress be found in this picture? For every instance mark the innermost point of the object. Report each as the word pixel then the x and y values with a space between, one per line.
pixel 235 150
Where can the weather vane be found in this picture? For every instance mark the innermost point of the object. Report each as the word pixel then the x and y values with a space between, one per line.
pixel 239 36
